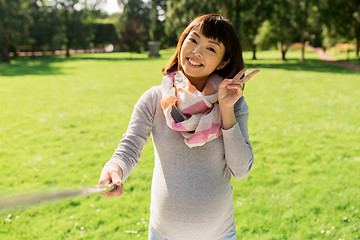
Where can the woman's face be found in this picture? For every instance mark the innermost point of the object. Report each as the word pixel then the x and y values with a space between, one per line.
pixel 200 56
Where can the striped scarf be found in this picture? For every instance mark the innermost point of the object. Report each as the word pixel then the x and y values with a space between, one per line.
pixel 194 114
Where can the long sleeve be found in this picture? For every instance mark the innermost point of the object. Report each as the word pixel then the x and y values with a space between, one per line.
pixel 135 138
pixel 238 150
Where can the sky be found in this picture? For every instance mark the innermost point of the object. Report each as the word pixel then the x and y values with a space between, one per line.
pixel 111 6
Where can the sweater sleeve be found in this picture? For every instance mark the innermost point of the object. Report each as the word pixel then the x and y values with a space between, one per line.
pixel 238 150
pixel 140 126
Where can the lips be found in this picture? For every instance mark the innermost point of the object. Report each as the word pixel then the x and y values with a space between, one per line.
pixel 194 63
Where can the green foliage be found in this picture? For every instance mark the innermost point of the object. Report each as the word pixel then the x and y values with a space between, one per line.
pixel 45 32
pixel 266 37
pixel 157 16
pixel 39 25
pixel 180 13
pixel 61 120
pixel 344 23
pixel 14 23
pixel 104 34
pixel 76 23
pixel 254 15
pixel 133 24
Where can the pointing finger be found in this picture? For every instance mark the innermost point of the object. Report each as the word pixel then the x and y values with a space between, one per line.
pixel 239 74
pixel 249 76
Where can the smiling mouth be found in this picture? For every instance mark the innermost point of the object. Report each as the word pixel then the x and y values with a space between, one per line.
pixel 192 62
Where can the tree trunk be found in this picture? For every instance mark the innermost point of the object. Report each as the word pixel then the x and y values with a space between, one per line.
pixel 68 32
pixel 4 57
pixel 254 52
pixel 4 50
pixel 282 51
pixel 303 29
pixel 237 16
pixel 68 49
pixel 357 46
pixel 302 58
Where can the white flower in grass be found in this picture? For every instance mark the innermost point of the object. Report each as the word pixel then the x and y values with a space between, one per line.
pixel 322 231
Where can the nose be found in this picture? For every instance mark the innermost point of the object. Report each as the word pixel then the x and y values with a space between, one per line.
pixel 197 51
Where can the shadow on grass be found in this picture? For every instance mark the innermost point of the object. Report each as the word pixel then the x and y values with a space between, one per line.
pixel 46 65
pixel 312 65
pixel 22 67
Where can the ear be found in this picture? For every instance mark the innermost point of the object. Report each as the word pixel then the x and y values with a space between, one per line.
pixel 223 64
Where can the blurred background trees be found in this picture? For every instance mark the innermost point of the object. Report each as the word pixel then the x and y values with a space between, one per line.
pixel 50 25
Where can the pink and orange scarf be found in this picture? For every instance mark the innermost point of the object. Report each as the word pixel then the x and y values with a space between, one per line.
pixel 194 114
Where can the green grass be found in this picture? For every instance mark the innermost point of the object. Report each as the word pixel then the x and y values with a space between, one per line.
pixel 61 119
pixel 346 56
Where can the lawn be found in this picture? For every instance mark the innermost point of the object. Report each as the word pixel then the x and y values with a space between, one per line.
pixel 346 56
pixel 61 119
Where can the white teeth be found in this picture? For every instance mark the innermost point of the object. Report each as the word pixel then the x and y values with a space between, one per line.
pixel 194 63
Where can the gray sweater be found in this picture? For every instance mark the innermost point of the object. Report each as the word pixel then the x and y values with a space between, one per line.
pixel 191 192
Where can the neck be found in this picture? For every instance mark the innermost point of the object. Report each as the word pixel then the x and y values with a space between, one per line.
pixel 198 82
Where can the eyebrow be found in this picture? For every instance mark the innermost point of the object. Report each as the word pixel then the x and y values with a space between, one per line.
pixel 196 34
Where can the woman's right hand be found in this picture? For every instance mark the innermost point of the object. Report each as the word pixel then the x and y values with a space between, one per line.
pixel 111 175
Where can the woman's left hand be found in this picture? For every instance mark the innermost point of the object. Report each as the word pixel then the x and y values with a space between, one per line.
pixel 231 90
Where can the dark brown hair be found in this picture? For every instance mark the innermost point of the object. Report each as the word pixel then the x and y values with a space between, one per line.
pixel 216 27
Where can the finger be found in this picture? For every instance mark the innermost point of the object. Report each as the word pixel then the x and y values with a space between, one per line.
pixel 115 178
pixel 249 76
pixel 239 74
pixel 117 192
pixel 104 179
pixel 237 86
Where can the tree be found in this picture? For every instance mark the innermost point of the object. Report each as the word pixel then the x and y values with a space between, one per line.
pixel 14 23
pixel 156 27
pixel 253 17
pixel 304 6
pixel 342 20
pixel 284 19
pixel 76 23
pixel 45 32
pixel 105 34
pixel 133 24
pixel 181 12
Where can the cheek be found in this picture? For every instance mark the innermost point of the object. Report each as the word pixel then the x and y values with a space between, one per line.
pixel 183 53
pixel 181 57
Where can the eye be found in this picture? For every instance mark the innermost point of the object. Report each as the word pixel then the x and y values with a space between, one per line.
pixel 212 49
pixel 192 40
